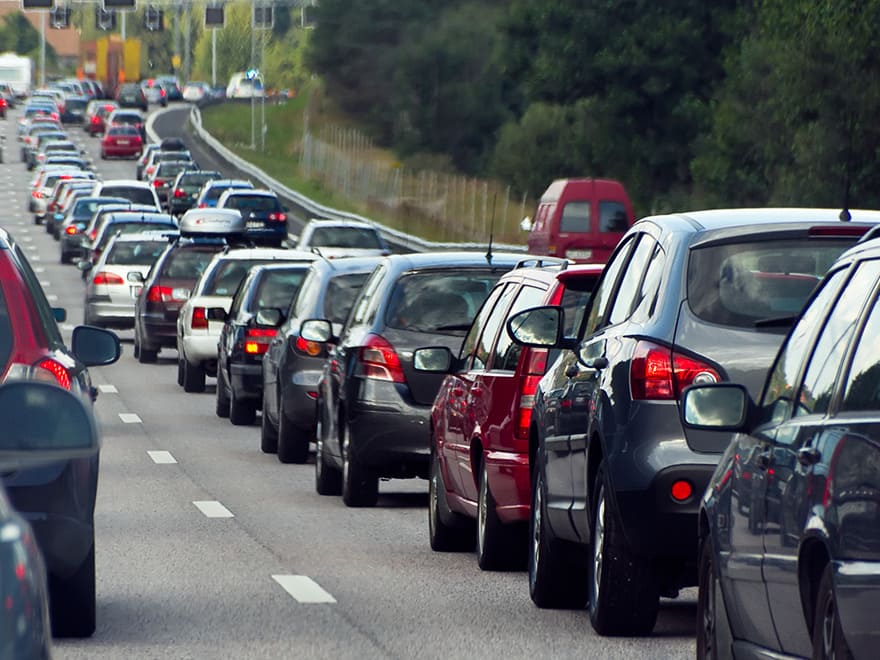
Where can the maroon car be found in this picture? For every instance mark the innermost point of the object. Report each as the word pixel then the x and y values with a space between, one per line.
pixel 121 142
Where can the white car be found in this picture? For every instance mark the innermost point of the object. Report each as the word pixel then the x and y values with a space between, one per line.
pixel 138 192
pixel 202 316
pixel 195 92
pixel 342 238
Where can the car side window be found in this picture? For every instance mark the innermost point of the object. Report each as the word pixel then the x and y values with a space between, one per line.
pixel 646 298
pixel 603 296
pixel 830 351
pixel 506 354
pixel 362 307
pixel 862 391
pixel 631 281
pixel 471 340
pixel 780 389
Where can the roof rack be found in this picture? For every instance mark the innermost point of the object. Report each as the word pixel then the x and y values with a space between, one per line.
pixel 543 262
pixel 872 233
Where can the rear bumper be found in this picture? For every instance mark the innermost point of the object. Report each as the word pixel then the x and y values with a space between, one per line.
pixel 247 381
pixel 159 331
pixel 200 348
pixel 510 484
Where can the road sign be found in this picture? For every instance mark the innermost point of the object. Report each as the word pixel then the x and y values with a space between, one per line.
pixel 214 16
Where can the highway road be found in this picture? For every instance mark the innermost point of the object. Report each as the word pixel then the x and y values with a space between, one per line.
pixel 207 548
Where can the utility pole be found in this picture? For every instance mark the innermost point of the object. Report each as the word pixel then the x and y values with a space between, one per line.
pixel 253 61
pixel 186 49
pixel 42 49
pixel 213 57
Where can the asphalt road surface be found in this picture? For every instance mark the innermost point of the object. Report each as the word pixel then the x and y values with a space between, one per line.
pixel 208 548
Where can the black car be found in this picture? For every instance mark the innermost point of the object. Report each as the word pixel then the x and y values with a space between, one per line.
pixel 251 324
pixel 789 564
pixel 182 193
pixel 685 299
pixel 264 215
pixel 374 408
pixel 74 109
pixel 131 95
pixel 292 366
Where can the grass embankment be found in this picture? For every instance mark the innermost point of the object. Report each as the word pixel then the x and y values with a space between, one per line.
pixel 434 206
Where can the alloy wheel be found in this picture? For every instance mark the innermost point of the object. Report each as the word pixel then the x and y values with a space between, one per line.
pixel 598 546
pixel 828 632
pixel 536 522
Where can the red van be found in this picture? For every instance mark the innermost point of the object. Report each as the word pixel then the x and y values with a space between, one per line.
pixel 580 219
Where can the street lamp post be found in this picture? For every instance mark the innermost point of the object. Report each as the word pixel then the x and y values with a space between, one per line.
pixel 42 49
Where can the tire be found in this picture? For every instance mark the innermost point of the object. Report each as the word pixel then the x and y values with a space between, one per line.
pixel 558 576
pixel 624 594
pixel 136 349
pixel 146 355
pixel 72 601
pixel 360 487
pixel 447 530
pixel 268 433
pixel 328 479
pixel 293 442
pixel 65 258
pixel 180 371
pixel 828 639
pixel 221 408
pixel 241 413
pixel 499 546
pixel 193 377
pixel 707 610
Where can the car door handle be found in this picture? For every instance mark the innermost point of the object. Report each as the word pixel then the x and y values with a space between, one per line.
pixel 808 456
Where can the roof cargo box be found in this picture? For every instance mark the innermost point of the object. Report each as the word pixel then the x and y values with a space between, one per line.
pixel 212 222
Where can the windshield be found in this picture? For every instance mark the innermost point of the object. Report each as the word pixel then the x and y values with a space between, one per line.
pixel 346 237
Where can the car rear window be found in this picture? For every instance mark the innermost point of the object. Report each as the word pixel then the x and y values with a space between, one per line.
pixel 225 278
pixel 277 288
pixel 214 192
pixel 186 264
pixel 575 217
pixel 340 295
pixel 439 301
pixel 738 284
pixel 196 179
pixel 252 203
pixel 346 237
pixel 132 193
pixel 140 253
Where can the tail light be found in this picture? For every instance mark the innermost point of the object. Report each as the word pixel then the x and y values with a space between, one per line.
pixel 278 217
pixel 107 278
pixel 379 360
pixel 93 234
pixel 534 368
pixel 310 348
pixel 199 319
pixel 681 490
pixel 203 205
pixel 95 120
pixel 158 294
pixel 71 230
pixel 659 373
pixel 150 170
pixel 256 340
pixel 46 370
pixel 162 93
pixel 158 182
pixel 179 192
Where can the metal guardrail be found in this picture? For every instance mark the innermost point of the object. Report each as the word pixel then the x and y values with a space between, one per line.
pixel 313 208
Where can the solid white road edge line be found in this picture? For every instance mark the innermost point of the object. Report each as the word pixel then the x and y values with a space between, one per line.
pixel 303 588
pixel 213 509
pixel 129 418
pixel 162 457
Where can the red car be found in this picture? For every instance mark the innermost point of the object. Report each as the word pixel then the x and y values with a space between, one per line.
pixel 96 122
pixel 121 142
pixel 480 420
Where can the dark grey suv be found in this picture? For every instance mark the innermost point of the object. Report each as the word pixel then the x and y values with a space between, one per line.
pixel 685 299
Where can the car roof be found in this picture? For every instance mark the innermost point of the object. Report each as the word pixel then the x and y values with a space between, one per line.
pixel 728 218
pixel 458 259
pixel 251 192
pixel 326 222
pixel 266 253
pixel 134 183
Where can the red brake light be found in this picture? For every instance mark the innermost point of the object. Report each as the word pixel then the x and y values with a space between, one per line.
pixel 57 370
pixel 158 182
pixel 159 294
pixel 658 373
pixel 379 360
pixel 311 348
pixel 92 234
pixel 257 340
pixel 681 490
pixel 841 229
pixel 71 230
pixel 199 319
pixel 179 192
pixel 278 217
pixel 107 278
pixel 534 367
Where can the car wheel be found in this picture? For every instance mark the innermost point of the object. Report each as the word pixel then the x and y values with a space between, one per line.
pixel 447 530
pixel 360 487
pixel 828 639
pixel 707 611
pixel 193 377
pixel 293 443
pixel 72 601
pixel 241 413
pixel 136 348
pixel 268 433
pixel 146 355
pixel 328 479
pixel 558 577
pixel 499 546
pixel 38 220
pixel 65 258
pixel 180 371
pixel 222 405
pixel 624 594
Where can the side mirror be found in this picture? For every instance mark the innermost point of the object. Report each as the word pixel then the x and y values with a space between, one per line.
pixel 216 314
pixel 437 359
pixel 84 265
pixel 526 224
pixel 319 330
pixel 95 347
pixel 43 422
pixel 540 327
pixel 60 314
pixel 135 276
pixel 270 317
pixel 715 407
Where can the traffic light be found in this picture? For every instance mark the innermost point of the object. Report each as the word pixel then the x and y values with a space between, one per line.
pixel 105 19
pixel 59 18
pixel 214 16
pixel 262 17
pixel 153 19
pixel 37 4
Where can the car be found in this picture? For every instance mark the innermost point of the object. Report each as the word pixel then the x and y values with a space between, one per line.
pixel 137 192
pixel 342 238
pixel 111 289
pixel 73 239
pixel 8 94
pixel 211 191
pixel 197 329
pixel 96 116
pixel 82 162
pixel 373 407
pixel 155 92
pixel 168 285
pixel 160 156
pixel 182 193
pixel 685 299
pixel 125 221
pixel 245 85
pixel 35 139
pixel 43 187
pixel 60 200
pixel 74 109
pixel 249 326
pixel 788 561
pixel 292 366
pixel 57 499
pixel 121 142
pixel 131 95
pixel 196 92
pixel 100 218
pixel 480 486
pixel 128 117
pixel 172 86
pixel 52 148
pixel 165 173
pixel 264 215
pixel 148 149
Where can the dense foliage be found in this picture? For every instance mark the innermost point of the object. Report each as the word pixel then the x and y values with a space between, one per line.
pixel 689 103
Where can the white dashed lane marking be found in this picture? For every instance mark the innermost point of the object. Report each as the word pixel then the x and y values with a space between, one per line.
pixel 130 418
pixel 213 509
pixel 107 389
pixel 162 457
pixel 51 297
pixel 304 589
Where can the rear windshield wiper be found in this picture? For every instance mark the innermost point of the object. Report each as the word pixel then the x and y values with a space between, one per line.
pixel 777 321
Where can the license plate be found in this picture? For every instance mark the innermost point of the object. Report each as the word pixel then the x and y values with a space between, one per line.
pixel 579 254
pixel 135 291
pixel 255 225
pixel 122 142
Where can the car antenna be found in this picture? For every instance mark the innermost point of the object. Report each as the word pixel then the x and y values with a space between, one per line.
pixel 845 215
pixel 491 230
